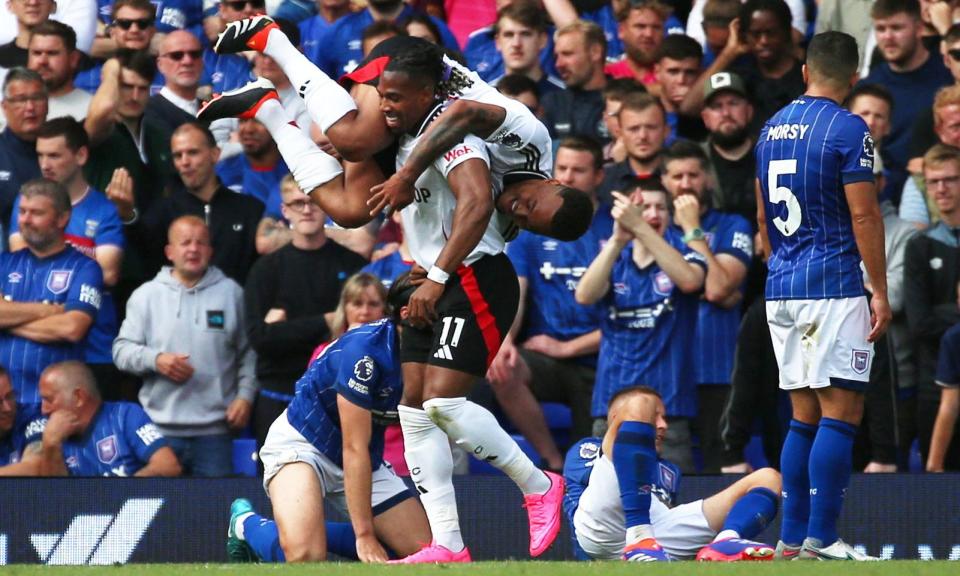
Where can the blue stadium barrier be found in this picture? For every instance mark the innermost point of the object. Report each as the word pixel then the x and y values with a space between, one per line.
pixel 120 520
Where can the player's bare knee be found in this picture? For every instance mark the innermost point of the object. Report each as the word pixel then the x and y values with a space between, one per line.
pixel 766 478
pixel 302 552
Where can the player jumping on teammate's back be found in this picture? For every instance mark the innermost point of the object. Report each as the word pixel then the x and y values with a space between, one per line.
pixel 819 216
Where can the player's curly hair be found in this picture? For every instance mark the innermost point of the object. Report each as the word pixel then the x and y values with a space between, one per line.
pixel 399 295
pixel 454 83
pixel 574 216
pixel 422 61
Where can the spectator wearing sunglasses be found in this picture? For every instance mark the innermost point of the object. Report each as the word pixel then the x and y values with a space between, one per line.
pixel 181 62
pixel 132 27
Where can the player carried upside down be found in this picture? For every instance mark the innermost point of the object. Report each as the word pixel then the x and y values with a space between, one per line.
pixel 328 445
pixel 521 150
pixel 620 496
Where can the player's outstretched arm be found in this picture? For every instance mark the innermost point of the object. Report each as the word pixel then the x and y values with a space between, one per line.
pixel 357 428
pixel 461 118
pixel 868 232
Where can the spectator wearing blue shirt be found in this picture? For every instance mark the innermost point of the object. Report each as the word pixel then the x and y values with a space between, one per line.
pixel 342 42
pixel 726 242
pixel 555 358
pixel 258 170
pixel 231 71
pixel 14 420
pixel 50 291
pixel 94 229
pixel 677 69
pixel 313 28
pixel 25 109
pixel 650 282
pixel 82 435
pixel 521 37
pixel 911 73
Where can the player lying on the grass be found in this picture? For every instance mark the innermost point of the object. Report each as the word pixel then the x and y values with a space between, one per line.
pixel 643 524
pixel 328 444
pixel 355 125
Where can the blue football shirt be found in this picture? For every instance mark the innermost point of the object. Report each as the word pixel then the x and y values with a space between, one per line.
pixel 68 278
pixel 119 442
pixel 388 268
pixel 806 153
pixel 12 445
pixel 237 174
pixel 363 366
pixel 648 332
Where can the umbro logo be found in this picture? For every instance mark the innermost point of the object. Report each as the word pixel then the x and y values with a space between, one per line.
pixel 443 353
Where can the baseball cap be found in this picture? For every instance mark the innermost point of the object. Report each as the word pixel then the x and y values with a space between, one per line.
pixel 723 81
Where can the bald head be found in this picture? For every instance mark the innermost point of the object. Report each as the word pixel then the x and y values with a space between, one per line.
pixel 181 62
pixel 64 378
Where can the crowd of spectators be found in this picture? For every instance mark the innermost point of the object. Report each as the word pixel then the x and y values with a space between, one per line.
pixel 167 278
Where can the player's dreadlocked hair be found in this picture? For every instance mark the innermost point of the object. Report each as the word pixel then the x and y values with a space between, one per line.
pixel 574 216
pixel 422 62
pixel 399 295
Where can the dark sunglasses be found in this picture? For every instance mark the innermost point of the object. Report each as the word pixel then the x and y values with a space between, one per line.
pixel 126 23
pixel 177 55
pixel 238 5
pixel 955 54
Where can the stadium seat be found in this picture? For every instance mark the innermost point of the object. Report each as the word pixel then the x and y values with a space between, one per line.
pixel 557 415
pixel 245 457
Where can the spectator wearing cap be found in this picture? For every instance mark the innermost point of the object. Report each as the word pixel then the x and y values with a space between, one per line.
pixel 727 114
pixel 580 48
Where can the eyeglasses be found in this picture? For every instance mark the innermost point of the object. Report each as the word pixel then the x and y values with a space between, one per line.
pixel 178 55
pixel 22 100
pixel 300 205
pixel 127 23
pixel 955 54
pixel 238 5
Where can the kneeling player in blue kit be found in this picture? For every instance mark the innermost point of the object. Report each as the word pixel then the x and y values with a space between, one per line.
pixel 328 445
pixel 644 524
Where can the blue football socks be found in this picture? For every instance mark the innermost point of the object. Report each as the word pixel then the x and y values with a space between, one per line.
pixel 635 460
pixel 262 536
pixel 830 465
pixel 751 514
pixel 794 459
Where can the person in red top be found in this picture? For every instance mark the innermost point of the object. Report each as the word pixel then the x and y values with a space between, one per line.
pixel 641 30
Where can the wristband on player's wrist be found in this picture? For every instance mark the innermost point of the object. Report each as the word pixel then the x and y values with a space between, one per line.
pixel 438 275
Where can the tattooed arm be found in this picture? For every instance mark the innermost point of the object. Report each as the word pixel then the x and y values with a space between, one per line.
pixel 459 119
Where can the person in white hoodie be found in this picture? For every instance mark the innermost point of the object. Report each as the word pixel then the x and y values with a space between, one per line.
pixel 184 335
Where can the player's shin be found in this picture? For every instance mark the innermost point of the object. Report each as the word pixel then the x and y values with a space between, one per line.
pixel 750 515
pixel 311 166
pixel 794 460
pixel 477 430
pixel 262 536
pixel 635 460
pixel 830 465
pixel 427 452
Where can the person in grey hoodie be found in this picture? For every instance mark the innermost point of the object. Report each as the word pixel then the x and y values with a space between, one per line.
pixel 184 335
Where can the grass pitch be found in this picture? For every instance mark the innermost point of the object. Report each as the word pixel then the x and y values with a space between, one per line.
pixel 890 568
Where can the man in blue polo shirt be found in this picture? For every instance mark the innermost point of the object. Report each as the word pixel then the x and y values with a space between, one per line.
pixel 94 229
pixel 82 435
pixel 50 291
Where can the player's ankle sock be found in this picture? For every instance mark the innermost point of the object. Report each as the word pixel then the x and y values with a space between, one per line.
pixel 635 460
pixel 427 452
pixel 341 540
pixel 794 459
pixel 751 513
pixel 477 430
pixel 261 535
pixel 830 464
pixel 309 165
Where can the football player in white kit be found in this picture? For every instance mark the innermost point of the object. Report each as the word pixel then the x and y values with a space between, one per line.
pixel 620 496
pixel 520 146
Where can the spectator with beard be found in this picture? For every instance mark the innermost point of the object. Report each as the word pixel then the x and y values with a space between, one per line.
pixel 53 54
pixel 640 29
pixel 911 74
pixel 727 115
pixel 580 48
pixel 259 170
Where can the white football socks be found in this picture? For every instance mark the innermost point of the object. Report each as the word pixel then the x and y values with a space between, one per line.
pixel 427 452
pixel 326 100
pixel 476 429
pixel 310 166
